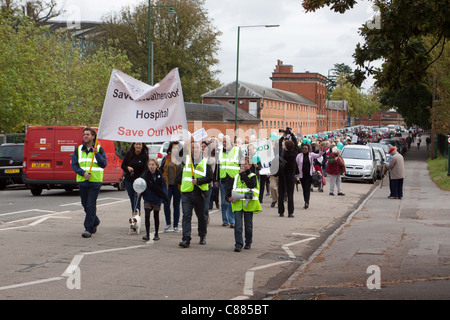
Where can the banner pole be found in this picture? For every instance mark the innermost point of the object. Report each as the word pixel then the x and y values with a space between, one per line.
pixel 93 155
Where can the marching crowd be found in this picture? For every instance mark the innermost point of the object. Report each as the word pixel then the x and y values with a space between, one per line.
pixel 195 177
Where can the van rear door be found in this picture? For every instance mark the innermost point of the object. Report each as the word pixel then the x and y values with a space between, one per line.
pixel 40 154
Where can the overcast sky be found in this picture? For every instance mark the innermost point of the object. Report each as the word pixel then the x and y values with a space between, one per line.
pixel 311 42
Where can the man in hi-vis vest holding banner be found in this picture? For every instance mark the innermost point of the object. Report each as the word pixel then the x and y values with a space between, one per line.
pixel 194 179
pixel 88 162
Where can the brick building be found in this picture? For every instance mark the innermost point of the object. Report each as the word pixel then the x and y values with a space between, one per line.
pixel 277 109
pixel 219 117
pixel 382 118
pixel 312 86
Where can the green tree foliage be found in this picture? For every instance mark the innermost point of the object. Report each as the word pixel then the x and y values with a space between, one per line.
pixel 335 72
pixel 47 80
pixel 359 103
pixel 438 83
pixel 399 41
pixel 188 41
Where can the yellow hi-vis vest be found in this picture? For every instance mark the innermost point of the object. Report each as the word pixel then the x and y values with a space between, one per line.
pixel 240 187
pixel 229 163
pixel 199 172
pixel 84 161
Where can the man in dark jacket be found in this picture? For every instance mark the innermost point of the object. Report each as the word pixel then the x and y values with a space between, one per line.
pixel 286 178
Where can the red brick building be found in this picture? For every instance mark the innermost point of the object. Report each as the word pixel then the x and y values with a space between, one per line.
pixel 277 109
pixel 382 118
pixel 312 86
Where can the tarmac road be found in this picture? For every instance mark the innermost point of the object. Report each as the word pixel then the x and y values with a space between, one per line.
pixel 41 254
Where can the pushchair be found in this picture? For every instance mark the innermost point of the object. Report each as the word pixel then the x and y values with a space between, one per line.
pixel 317 180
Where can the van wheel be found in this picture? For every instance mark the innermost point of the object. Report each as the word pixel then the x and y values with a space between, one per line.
pixel 36 190
pixel 121 185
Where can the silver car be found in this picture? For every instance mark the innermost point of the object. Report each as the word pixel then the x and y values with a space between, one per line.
pixel 360 163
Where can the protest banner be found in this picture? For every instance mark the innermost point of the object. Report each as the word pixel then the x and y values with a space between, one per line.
pixel 134 111
pixel 264 149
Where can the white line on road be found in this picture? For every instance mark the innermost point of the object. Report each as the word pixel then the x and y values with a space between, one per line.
pixel 23 211
pixel 19 285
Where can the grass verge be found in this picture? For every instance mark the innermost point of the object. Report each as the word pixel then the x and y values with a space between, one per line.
pixel 438 169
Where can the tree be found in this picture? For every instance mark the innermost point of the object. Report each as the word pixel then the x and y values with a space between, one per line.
pixel 359 103
pixel 438 83
pixel 188 41
pixel 38 11
pixel 335 72
pixel 397 40
pixel 410 38
pixel 46 80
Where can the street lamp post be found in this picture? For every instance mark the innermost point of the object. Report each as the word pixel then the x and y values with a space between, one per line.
pixel 237 70
pixel 171 12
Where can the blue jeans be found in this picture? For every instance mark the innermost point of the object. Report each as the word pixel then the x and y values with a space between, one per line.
pixel 88 193
pixel 135 202
pixel 247 218
pixel 173 191
pixel 227 214
pixel 193 201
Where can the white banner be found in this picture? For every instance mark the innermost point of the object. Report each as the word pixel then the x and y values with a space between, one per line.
pixel 264 149
pixel 137 112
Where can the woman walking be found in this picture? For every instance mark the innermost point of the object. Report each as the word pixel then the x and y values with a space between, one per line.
pixel 134 164
pixel 306 169
pixel 335 163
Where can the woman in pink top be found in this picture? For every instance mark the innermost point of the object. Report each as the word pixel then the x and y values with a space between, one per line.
pixel 306 169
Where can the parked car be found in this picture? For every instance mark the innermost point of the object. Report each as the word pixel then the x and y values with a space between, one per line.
pixel 395 143
pixel 11 164
pixel 380 157
pixel 383 146
pixel 403 142
pixel 360 163
pixel 158 150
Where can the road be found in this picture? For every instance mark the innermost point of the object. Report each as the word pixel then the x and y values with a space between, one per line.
pixel 18 203
pixel 45 257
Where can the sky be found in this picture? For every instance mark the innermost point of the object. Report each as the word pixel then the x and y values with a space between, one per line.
pixel 311 42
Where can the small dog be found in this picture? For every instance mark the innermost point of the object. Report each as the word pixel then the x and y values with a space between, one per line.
pixel 135 224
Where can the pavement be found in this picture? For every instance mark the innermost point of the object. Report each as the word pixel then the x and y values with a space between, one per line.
pixel 387 248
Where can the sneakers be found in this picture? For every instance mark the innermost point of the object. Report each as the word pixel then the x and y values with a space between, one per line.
pixel 167 227
pixel 341 194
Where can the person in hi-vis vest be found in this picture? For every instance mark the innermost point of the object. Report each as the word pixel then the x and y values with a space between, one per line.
pixel 246 182
pixel 229 159
pixel 194 180
pixel 89 179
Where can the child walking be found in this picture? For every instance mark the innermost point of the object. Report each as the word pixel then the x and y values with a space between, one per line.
pixel 245 182
pixel 154 195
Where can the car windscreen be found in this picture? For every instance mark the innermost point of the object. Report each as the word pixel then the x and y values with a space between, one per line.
pixel 13 152
pixel 353 153
pixel 154 148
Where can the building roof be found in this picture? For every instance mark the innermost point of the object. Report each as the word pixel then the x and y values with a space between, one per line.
pixel 248 90
pixel 218 111
pixel 79 29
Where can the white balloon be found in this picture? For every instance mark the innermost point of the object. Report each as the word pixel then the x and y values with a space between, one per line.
pixel 139 185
